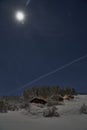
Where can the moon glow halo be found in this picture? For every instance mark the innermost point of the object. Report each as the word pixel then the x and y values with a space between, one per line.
pixel 20 16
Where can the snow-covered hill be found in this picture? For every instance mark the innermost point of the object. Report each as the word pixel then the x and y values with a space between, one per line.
pixel 70 118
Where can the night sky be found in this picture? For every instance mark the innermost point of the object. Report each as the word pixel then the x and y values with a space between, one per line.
pixel 53 34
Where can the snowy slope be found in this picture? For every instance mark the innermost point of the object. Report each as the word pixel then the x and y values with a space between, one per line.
pixel 69 119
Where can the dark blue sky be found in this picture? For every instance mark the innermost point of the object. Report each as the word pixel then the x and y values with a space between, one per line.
pixel 54 33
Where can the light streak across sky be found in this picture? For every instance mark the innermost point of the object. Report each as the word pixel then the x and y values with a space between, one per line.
pixel 49 73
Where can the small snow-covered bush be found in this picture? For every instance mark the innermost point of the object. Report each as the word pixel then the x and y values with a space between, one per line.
pixel 50 112
pixel 83 109
pixel 3 106
pixel 12 107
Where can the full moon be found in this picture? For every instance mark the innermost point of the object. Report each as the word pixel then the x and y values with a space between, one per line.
pixel 20 16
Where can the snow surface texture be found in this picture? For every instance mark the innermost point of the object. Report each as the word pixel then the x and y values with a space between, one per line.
pixel 70 118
